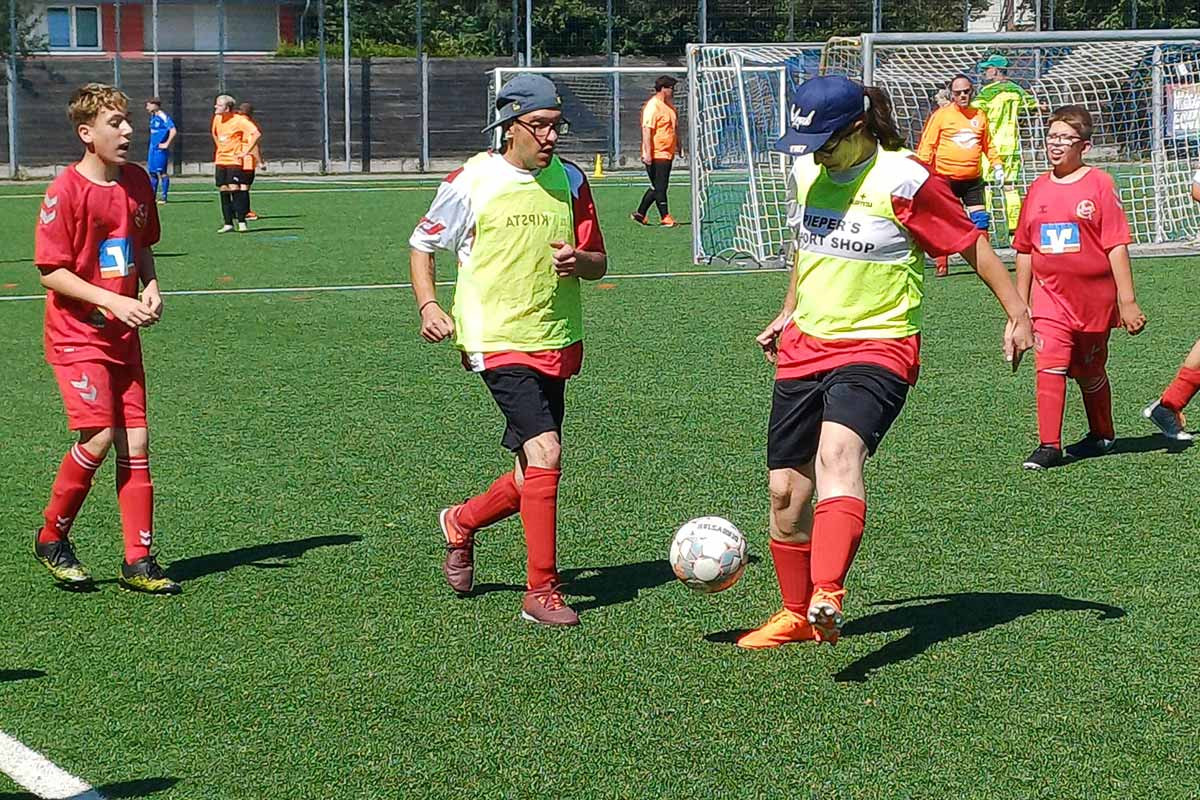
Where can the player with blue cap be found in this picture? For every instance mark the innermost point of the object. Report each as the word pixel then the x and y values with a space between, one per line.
pixel 863 211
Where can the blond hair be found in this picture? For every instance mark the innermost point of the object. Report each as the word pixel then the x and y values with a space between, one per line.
pixel 92 98
pixel 226 101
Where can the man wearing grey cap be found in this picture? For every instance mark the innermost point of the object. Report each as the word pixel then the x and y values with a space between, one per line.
pixel 524 227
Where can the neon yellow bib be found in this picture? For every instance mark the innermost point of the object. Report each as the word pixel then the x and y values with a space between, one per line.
pixel 508 296
pixel 859 274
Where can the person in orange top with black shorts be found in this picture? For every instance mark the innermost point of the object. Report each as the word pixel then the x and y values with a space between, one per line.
pixel 955 137
pixel 660 143
pixel 253 160
pixel 234 136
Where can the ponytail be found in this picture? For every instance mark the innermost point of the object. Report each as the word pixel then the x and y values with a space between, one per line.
pixel 880 121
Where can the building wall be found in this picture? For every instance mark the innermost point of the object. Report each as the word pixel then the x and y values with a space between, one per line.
pixel 184 27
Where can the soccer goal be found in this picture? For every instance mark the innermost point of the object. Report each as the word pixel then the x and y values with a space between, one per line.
pixel 1142 88
pixel 603 106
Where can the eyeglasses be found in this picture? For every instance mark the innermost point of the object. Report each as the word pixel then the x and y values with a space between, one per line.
pixel 834 141
pixel 1066 141
pixel 540 129
pixel 961 91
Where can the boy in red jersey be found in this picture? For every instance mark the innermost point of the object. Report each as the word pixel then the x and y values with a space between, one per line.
pixel 1073 268
pixel 97 224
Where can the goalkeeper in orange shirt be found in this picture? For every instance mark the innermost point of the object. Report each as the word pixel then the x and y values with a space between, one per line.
pixel 954 138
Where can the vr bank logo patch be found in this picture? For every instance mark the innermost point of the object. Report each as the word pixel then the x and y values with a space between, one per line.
pixel 1059 237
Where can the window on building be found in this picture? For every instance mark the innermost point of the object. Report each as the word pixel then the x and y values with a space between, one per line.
pixel 73 26
pixel 58 22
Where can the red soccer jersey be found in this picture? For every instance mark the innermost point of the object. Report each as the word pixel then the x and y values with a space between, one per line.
pixel 1069 229
pixel 95 231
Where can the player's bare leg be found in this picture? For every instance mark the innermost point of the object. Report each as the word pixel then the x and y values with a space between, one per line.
pixel 791 521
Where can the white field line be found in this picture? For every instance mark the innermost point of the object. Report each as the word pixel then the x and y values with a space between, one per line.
pixel 35 773
pixel 375 286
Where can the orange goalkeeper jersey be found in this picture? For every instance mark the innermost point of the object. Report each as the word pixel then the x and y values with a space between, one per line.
pixel 953 141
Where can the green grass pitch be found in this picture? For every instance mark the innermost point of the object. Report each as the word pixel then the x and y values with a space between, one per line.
pixel 1010 635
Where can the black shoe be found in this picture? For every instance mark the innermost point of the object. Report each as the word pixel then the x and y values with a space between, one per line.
pixel 1090 446
pixel 59 558
pixel 145 575
pixel 1044 457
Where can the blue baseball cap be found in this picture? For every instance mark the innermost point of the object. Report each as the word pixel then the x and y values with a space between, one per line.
pixel 522 94
pixel 819 108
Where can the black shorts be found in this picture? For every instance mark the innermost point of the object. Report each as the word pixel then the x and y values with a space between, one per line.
pixel 969 191
pixel 229 176
pixel 249 175
pixel 531 402
pixel 865 398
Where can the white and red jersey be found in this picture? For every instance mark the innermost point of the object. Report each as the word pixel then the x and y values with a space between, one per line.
pixel 450 224
pixel 927 210
pixel 1068 229
pixel 97 232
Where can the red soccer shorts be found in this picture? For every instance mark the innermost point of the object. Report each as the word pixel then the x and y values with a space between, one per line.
pixel 100 394
pixel 1084 355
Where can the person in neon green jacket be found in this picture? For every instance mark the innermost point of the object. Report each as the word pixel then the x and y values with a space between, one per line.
pixel 1005 103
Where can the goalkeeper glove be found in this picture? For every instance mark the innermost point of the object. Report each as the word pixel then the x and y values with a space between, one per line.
pixel 999 174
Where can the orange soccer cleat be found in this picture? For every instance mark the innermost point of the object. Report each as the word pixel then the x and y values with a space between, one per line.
pixel 825 614
pixel 784 626
pixel 668 221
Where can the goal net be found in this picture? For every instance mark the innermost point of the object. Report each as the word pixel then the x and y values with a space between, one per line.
pixel 1142 88
pixel 738 96
pixel 603 106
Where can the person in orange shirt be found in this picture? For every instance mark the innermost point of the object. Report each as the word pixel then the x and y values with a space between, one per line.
pixel 660 143
pixel 253 159
pixel 235 137
pixel 955 137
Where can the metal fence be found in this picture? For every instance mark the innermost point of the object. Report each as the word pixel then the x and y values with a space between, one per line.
pixel 334 113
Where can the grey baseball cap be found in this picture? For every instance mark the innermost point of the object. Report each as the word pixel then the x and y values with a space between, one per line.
pixel 523 94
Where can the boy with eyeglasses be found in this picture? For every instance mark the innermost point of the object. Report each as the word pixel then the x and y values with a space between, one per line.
pixel 1073 269
pixel 523 226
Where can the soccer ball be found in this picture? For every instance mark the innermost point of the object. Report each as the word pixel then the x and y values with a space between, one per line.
pixel 708 554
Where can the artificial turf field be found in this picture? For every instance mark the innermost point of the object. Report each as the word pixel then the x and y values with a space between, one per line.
pixel 1010 634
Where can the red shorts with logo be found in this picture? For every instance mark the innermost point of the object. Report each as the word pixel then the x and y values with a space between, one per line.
pixel 1083 354
pixel 100 394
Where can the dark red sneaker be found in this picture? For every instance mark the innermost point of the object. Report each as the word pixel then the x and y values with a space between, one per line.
pixel 459 566
pixel 547 607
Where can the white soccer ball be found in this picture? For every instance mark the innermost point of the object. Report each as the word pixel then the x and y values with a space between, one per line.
pixel 708 554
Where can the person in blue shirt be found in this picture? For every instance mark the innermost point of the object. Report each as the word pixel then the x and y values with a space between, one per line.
pixel 162 133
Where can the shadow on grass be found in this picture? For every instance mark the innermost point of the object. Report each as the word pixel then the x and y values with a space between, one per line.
pixel 112 791
pixel 276 228
pixel 939 618
pixel 600 586
pixel 7 675
pixel 1148 444
pixel 260 556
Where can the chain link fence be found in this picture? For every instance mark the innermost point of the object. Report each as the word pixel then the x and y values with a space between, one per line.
pixel 419 77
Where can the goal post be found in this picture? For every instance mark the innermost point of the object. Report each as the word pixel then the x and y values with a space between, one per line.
pixel 603 106
pixel 739 108
pixel 1142 88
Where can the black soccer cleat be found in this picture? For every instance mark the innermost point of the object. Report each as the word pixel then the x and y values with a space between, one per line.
pixel 145 575
pixel 1044 457
pixel 60 560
